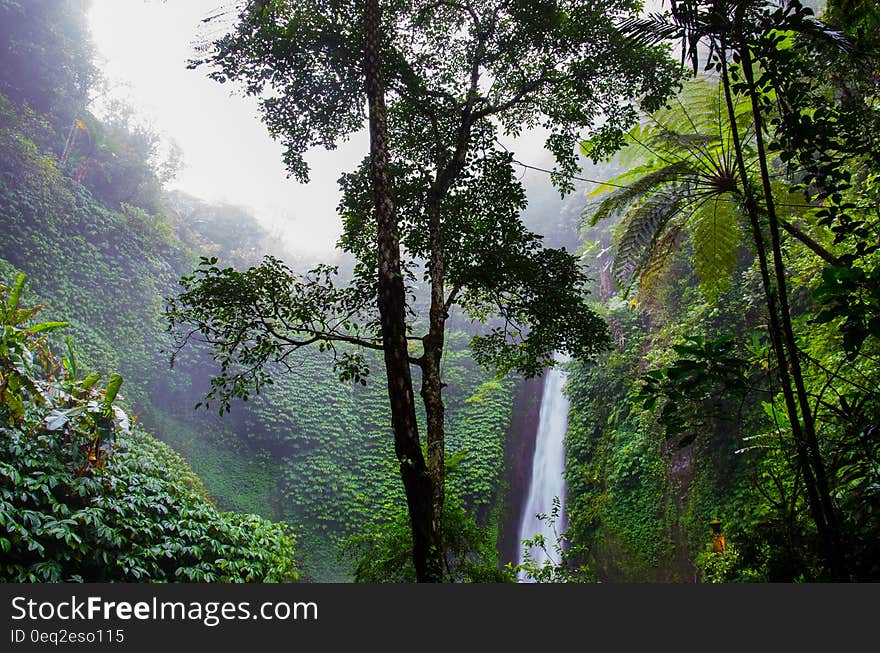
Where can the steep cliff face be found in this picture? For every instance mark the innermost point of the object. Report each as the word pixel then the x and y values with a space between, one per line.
pixel 518 456
pixel 666 556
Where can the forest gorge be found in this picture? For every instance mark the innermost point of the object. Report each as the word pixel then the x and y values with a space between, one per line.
pixel 183 399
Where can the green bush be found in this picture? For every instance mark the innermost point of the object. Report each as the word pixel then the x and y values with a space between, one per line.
pixel 85 496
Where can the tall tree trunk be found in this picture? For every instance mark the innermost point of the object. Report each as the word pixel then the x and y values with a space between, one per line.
pixel 774 328
pixel 392 312
pixel 833 543
pixel 432 381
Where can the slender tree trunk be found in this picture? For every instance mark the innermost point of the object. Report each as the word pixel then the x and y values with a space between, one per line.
pixel 432 382
pixel 774 327
pixel 809 426
pixel 392 312
pixel 432 379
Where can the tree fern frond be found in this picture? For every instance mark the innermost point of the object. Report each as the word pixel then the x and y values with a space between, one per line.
pixel 633 150
pixel 671 138
pixel 623 180
pixel 655 269
pixel 643 227
pixel 692 109
pixel 682 145
pixel 646 184
pixel 716 237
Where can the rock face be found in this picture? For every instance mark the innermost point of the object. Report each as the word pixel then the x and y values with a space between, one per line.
pixel 518 457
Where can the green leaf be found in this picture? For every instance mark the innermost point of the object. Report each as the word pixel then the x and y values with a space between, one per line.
pixel 716 239
pixel 14 296
pixel 112 390
pixel 45 327
pixel 90 380
pixel 70 362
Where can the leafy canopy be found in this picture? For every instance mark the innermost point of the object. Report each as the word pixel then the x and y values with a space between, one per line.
pixel 458 76
pixel 559 64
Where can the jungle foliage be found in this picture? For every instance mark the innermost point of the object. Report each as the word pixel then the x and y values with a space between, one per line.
pixel 735 248
pixel 84 191
pixel 766 415
pixel 87 496
pixel 442 82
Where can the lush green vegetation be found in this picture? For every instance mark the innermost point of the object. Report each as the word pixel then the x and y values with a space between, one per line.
pixel 743 381
pixel 731 260
pixel 337 473
pixel 87 496
pixel 83 214
pixel 445 199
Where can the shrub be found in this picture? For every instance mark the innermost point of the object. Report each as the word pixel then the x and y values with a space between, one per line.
pixel 85 496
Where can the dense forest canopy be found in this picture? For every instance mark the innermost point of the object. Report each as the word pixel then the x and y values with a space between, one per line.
pixel 719 300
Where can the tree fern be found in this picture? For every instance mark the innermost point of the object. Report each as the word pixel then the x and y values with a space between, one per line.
pixel 716 238
pixel 641 231
pixel 644 185
pixel 685 179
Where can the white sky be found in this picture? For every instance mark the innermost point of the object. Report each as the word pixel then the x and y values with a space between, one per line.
pixel 143 47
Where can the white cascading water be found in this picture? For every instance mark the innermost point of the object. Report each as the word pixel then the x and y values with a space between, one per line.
pixel 548 466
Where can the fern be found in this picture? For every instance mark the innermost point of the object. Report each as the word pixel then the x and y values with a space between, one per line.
pixel 685 182
pixel 645 184
pixel 716 238
pixel 655 271
pixel 643 227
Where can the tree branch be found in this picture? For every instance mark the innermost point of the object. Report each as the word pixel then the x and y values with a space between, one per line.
pixel 811 244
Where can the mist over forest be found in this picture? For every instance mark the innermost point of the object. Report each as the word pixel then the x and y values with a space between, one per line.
pixel 549 291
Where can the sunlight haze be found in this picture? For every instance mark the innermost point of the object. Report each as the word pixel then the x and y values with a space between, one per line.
pixel 229 156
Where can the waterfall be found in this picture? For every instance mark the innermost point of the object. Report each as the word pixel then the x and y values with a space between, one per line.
pixel 548 465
